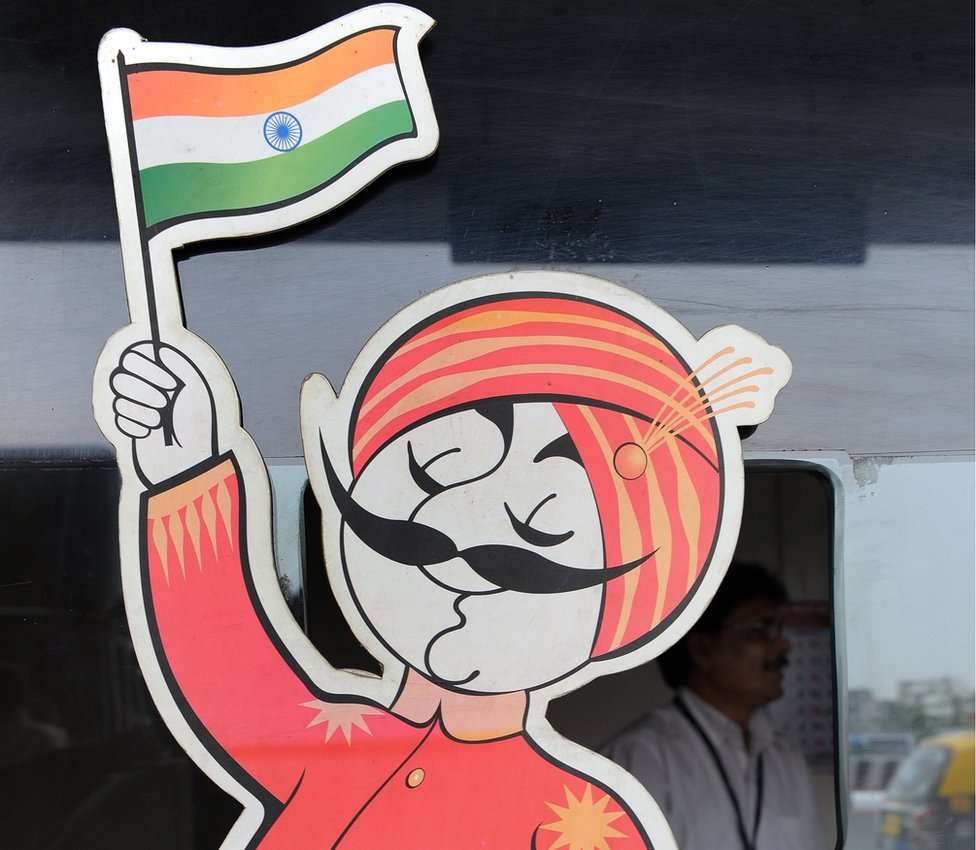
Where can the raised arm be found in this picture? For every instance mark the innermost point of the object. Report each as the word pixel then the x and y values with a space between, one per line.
pixel 234 682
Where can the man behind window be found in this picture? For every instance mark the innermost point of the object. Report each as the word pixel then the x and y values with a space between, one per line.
pixel 710 759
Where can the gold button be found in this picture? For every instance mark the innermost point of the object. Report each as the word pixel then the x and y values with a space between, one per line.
pixel 415 777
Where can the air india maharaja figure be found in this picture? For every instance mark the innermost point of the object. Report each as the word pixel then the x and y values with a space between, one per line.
pixel 526 481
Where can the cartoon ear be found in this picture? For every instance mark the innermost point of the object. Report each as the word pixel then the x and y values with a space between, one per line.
pixel 317 392
pixel 320 415
pixel 316 405
pixel 739 374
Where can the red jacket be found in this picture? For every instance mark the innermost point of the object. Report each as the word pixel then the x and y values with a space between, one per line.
pixel 333 770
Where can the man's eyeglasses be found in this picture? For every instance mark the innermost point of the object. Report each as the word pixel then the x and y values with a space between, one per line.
pixel 766 628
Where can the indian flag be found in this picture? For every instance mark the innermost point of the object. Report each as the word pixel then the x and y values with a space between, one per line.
pixel 210 141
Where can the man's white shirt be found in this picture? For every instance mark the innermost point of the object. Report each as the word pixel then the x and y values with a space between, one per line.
pixel 667 754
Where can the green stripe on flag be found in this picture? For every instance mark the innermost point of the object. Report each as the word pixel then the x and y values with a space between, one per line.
pixel 188 188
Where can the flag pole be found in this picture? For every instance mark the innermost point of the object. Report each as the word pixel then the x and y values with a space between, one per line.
pixel 137 261
pixel 139 224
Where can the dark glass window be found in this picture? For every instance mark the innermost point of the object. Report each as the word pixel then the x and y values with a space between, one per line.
pixel 85 760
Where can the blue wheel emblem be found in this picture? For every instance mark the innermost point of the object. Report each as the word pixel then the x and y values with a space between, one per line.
pixel 282 131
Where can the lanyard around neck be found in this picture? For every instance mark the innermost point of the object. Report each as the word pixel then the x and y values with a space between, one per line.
pixel 747 843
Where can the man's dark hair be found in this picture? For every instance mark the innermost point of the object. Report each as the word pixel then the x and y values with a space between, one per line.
pixel 743 583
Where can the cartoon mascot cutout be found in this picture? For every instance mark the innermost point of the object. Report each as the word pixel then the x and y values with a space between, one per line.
pixel 527 480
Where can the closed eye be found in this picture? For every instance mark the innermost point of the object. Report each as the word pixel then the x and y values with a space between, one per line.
pixel 420 475
pixel 560 447
pixel 533 535
pixel 497 411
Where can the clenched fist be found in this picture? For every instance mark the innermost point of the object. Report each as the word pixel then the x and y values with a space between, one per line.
pixel 166 407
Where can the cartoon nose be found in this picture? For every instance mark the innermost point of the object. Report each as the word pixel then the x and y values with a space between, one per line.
pixel 470 514
pixel 467 520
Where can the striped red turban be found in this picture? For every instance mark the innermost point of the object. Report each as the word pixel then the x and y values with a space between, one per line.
pixel 631 405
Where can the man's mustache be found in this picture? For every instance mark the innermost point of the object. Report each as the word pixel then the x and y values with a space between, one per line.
pixel 508 567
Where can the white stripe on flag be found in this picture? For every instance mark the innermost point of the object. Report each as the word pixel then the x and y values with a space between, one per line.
pixel 184 138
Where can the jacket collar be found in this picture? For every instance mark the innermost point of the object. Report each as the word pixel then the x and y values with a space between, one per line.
pixel 466 717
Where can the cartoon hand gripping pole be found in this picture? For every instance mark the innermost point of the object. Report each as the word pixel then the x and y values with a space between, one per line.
pixel 155 387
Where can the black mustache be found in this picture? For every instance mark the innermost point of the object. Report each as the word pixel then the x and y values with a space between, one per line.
pixel 508 567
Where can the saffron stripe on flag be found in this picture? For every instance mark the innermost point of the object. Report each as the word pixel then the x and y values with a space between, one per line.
pixel 179 138
pixel 183 189
pixel 178 91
